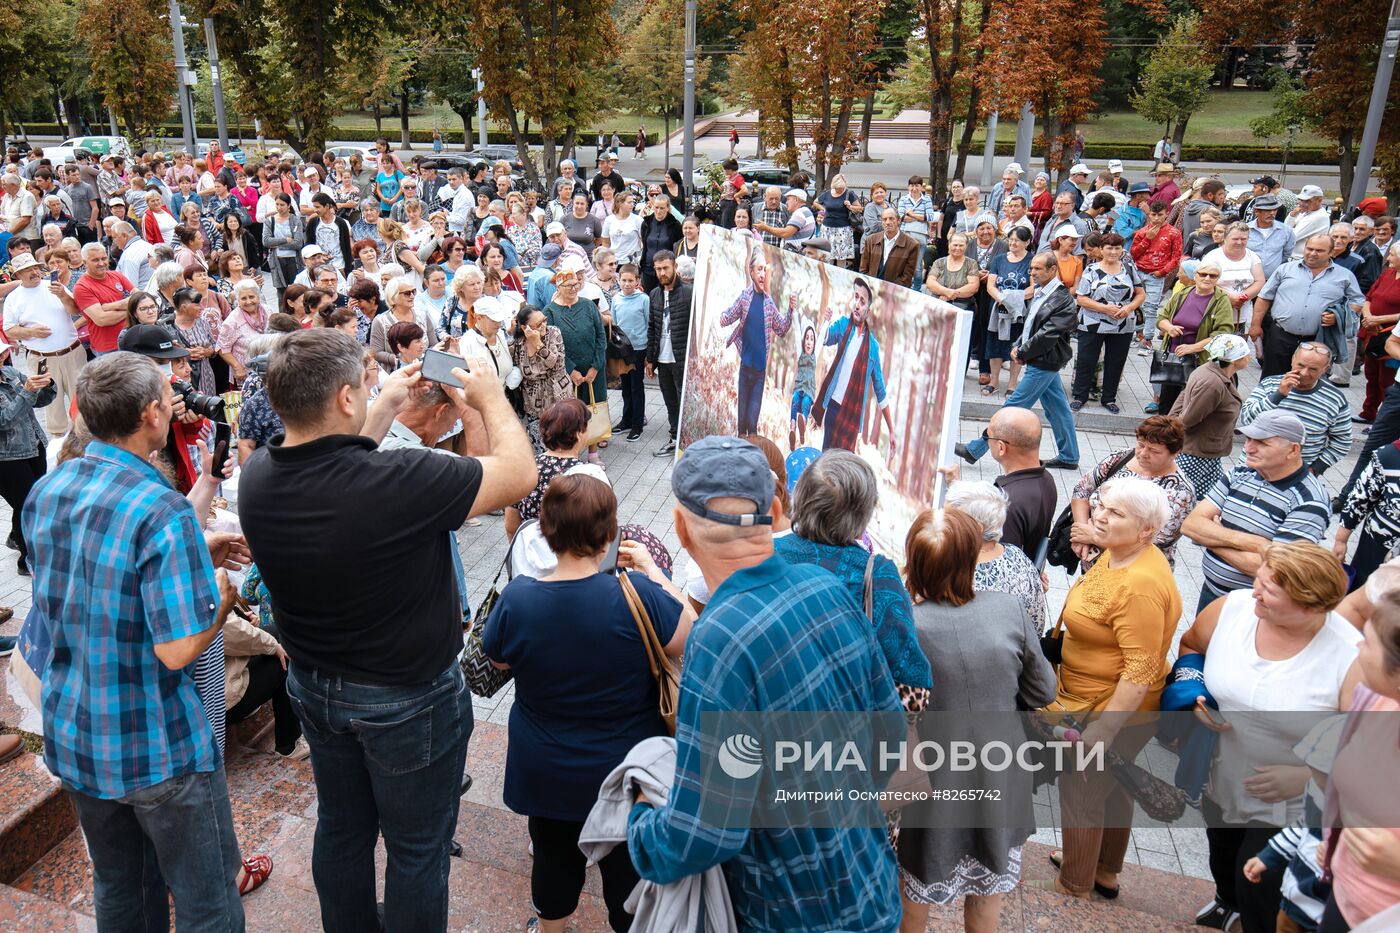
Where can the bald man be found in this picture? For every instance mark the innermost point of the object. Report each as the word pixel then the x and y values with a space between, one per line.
pixel 1013 440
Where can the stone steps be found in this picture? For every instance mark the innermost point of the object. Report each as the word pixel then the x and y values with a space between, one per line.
pixel 274 800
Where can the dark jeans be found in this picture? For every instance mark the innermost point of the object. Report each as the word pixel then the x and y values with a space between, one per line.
pixel 387 759
pixel 1371 552
pixel 268 681
pixel 1385 430
pixel 1229 848
pixel 556 874
pixel 17 477
pixel 670 376
pixel 981 309
pixel 176 835
pixel 1115 349
pixel 750 399
pixel 1209 594
pixel 1279 346
pixel 634 399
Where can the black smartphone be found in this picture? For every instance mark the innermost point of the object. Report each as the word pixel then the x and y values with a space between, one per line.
pixel 222 436
pixel 609 563
pixel 43 368
pixel 438 366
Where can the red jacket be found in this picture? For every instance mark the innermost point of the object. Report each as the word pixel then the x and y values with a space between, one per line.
pixel 1160 255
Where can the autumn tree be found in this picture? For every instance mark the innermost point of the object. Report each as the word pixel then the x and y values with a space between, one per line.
pixel 446 71
pixel 535 57
pixel 896 25
pixel 1176 78
pixel 133 68
pixel 815 66
pixel 55 70
pixel 652 70
pixel 293 55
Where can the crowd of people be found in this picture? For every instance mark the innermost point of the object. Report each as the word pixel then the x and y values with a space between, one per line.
pixel 266 331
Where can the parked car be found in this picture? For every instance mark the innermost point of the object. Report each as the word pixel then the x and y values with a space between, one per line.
pixel 57 155
pixel 368 154
pixel 101 145
pixel 493 153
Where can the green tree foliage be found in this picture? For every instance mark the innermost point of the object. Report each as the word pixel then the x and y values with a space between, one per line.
pixel 133 68
pixel 1176 78
pixel 652 69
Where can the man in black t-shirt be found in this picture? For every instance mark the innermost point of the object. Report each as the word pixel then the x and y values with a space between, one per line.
pixel 354 544
pixel 1013 440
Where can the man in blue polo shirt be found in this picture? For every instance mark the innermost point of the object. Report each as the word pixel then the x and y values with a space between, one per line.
pixel 776 637
pixel 1300 300
pixel 124 580
pixel 1274 497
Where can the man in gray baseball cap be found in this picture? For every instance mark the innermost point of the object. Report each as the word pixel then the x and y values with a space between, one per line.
pixel 1273 497
pixel 776 637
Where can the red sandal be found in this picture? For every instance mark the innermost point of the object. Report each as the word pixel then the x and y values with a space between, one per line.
pixel 256 870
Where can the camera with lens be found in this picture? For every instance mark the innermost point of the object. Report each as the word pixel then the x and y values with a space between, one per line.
pixel 258 364
pixel 206 406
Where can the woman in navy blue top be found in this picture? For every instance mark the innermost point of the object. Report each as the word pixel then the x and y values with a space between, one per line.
pixel 584 693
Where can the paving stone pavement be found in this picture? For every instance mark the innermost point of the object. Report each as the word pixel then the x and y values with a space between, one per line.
pixel 642 484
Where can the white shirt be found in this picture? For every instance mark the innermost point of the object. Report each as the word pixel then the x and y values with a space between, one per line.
pixel 624 236
pixel 1306 225
pixel 27 307
pixel 460 201
pixel 474 346
pixel 21 204
pixel 666 353
pixel 1235 274
pixel 135 262
pixel 889 243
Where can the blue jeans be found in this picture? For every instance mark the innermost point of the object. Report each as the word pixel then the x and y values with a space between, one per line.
pixel 387 759
pixel 177 834
pixel 1044 386
pixel 1156 288
pixel 750 398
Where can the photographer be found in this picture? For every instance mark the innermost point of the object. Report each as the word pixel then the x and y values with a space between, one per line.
pixel 22 442
pixel 191 410
pixel 374 675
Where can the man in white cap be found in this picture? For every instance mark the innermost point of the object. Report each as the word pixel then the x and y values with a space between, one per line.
pixel 39 315
pixel 1076 183
pixel 1309 218
pixel 1115 168
pixel 19 208
pixel 800 223
pixel 310 187
pixel 312 255
pixel 555 233
pixel 1011 183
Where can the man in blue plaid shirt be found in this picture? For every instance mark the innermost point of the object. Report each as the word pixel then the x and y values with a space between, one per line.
pixel 775 637
pixel 124 581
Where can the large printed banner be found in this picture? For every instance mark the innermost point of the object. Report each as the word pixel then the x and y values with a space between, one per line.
pixel 808 354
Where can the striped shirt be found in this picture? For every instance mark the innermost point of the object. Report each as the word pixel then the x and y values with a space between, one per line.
pixel 1291 509
pixel 120 566
pixel 1323 409
pixel 777 637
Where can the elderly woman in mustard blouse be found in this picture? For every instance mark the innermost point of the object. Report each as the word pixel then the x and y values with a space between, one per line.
pixel 1119 619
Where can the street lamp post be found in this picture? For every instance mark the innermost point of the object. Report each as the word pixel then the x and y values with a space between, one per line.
pixel 688 165
pixel 215 82
pixel 1380 91
pixel 182 79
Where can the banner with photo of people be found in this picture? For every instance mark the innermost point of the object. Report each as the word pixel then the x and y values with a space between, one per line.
pixel 808 354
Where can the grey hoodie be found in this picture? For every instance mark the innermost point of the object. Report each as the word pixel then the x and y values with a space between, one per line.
pixel 1191 216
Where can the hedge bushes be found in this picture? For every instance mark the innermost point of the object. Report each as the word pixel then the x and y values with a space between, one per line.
pixel 209 131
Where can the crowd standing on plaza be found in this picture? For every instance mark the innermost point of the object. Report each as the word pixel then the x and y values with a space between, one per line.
pixel 182 323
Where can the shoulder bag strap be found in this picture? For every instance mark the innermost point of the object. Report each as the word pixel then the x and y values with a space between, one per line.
pixel 650 642
pixel 869 590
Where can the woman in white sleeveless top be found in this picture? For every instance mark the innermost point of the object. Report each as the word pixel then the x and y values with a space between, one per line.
pixel 1278 648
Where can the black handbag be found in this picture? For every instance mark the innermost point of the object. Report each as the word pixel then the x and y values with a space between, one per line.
pixel 619 345
pixel 484 678
pixel 1167 368
pixel 1060 553
pixel 1164 802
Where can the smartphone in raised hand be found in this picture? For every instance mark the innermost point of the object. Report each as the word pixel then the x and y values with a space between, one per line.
pixel 438 366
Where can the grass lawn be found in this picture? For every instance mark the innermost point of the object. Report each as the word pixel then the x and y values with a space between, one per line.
pixel 1223 121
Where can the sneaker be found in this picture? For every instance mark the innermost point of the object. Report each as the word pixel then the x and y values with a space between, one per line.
pixel 1340 382
pixel 1216 916
pixel 1076 405
pixel 1112 407
pixel 22 568
pixel 1357 419
pixel 300 751
pixel 619 428
pixel 6 614
pixel 634 435
pixel 666 450
pixel 11 543
pixel 1145 350
pixel 7 644
pixel 961 450
pixel 1151 408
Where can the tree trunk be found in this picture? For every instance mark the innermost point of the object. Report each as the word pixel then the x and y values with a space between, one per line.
pixel 940 141
pixel 378 120
pixel 759 151
pixel 866 119
pixel 1179 134
pixel 1346 160
pixel 522 141
pixel 467 113
pixel 1230 70
pixel 965 142
pixel 405 141
pixel 74 108
pixel 666 123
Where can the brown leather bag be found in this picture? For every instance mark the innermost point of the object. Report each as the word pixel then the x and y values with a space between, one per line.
pixel 668 679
